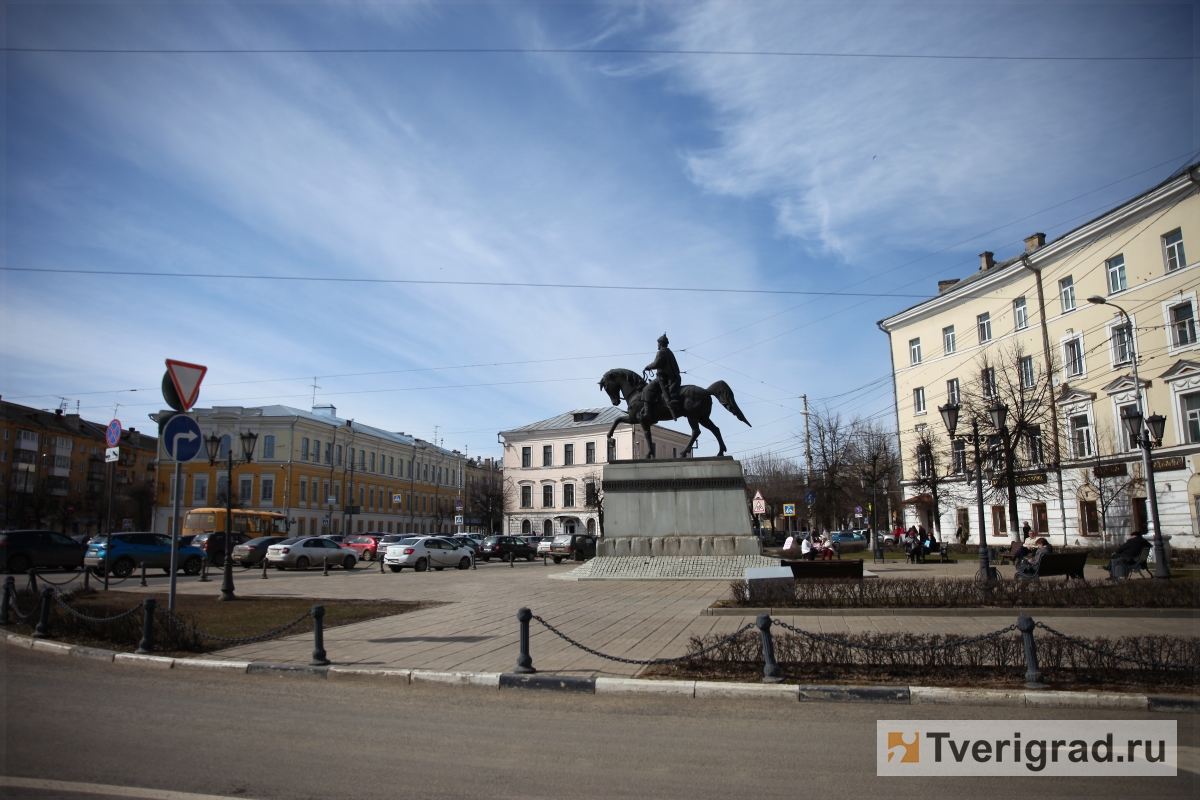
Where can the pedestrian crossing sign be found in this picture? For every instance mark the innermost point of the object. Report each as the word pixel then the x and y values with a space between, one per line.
pixel 789 509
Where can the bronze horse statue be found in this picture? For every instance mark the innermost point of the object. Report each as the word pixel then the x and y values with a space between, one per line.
pixel 696 400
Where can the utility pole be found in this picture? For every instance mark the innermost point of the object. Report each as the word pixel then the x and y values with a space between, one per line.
pixel 808 458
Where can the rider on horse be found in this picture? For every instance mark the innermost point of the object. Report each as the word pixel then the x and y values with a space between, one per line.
pixel 665 384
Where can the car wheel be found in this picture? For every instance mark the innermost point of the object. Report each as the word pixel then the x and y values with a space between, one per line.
pixel 577 557
pixel 217 561
pixel 348 563
pixel 123 568
pixel 19 564
pixel 439 569
pixel 192 565
pixel 557 559
pixel 422 565
pixel 302 563
pixel 530 556
pixel 394 568
pixel 279 567
pixel 485 559
pixel 465 563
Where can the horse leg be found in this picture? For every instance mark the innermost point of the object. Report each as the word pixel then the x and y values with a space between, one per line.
pixel 716 432
pixel 695 436
pixel 649 440
pixel 617 422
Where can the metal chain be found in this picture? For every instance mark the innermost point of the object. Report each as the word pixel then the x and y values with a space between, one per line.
pixel 247 640
pixel 896 648
pixel 17 609
pixel 41 576
pixel 648 661
pixel 1110 654
pixel 59 600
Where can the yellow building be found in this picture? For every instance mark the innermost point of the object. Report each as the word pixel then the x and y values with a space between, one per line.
pixel 1025 324
pixel 326 474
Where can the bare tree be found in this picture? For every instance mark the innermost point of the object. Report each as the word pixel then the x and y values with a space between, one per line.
pixel 593 496
pixel 488 497
pixel 937 471
pixel 779 480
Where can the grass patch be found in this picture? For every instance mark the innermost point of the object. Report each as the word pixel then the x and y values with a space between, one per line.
pixel 245 617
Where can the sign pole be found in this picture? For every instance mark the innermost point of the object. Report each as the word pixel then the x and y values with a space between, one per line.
pixel 175 533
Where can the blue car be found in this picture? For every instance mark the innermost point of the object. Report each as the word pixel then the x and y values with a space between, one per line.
pixel 124 552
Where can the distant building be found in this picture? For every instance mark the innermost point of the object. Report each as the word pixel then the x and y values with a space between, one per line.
pixel 553 469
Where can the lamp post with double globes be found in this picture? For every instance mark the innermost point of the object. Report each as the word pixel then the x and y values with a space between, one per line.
pixel 874 481
pixel 1145 432
pixel 949 414
pixel 213 445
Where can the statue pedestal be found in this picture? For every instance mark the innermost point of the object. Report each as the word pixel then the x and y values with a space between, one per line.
pixel 676 507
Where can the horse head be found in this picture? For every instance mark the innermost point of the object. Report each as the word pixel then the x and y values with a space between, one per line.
pixel 612 387
pixel 621 381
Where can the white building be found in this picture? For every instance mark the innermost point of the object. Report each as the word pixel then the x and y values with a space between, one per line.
pixel 553 469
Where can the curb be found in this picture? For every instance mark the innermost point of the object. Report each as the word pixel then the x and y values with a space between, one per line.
pixel 700 690
pixel 1152 613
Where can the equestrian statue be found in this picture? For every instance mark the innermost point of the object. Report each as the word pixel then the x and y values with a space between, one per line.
pixel 662 398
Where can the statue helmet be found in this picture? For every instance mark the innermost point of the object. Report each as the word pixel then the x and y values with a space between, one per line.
pixel 662 340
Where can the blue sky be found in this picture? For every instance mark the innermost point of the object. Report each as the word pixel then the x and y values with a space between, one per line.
pixel 768 172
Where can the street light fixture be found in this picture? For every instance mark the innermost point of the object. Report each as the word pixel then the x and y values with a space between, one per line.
pixel 212 444
pixel 1145 438
pixel 950 413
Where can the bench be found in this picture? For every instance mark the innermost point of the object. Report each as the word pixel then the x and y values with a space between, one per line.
pixel 826 570
pixel 1138 565
pixel 1069 565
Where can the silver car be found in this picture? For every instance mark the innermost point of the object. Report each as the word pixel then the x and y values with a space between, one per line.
pixel 423 552
pixel 310 551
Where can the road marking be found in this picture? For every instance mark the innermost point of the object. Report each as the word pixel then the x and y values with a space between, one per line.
pixel 108 791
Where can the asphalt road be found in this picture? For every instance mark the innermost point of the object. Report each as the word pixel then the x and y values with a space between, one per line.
pixel 70 719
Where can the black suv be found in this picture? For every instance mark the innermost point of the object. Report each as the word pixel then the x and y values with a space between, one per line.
pixel 506 548
pixel 20 550
pixel 213 545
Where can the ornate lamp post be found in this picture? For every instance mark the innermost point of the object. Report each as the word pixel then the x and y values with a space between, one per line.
pixel 1146 432
pixel 213 445
pixel 949 414
pixel 998 413
pixel 875 482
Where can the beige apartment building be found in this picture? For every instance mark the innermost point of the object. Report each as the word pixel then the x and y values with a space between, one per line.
pixel 553 469
pixel 1026 324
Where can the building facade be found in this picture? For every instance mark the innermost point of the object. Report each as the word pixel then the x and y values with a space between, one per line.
pixel 553 469
pixel 328 475
pixel 1024 330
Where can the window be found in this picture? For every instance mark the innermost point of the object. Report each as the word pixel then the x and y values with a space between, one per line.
pixel 1081 436
pixel 589 453
pixel 526 497
pixel 327 450
pixel 924 461
pixel 589 494
pixel 246 490
pixel 337 493
pixel 568 495
pixel 612 449
pixel 1025 366
pixel 223 450
pixel 987 380
pixel 914 351
pixel 952 394
pixel 339 455
pixel 526 457
pixel 303 491
pixel 919 400
pixel 1073 357
pixel 391 465
pixel 1183 325
pixel 1020 314
pixel 568 455
pixel 372 462
pixel 362 459
pixel 200 490
pixel 1034 447
pixel 304 449
pixel 548 496
pixel 268 490
pixel 1128 442
pixel 351 454
pixel 548 455
pixel 1122 345
pixel 948 345
pixel 371 497
pixel 983 324
pixel 1066 294
pixel 548 528
pixel 1190 408
pixel 958 452
pixel 268 450
pixel 1173 250
pixel 1116 274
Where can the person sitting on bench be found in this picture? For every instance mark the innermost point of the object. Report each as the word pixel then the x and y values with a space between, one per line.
pixel 1126 555
pixel 1030 564
pixel 806 549
pixel 825 548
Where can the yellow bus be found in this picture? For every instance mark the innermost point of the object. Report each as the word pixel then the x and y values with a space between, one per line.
pixel 251 523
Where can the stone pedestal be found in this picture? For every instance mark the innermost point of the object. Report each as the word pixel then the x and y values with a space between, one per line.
pixel 676 507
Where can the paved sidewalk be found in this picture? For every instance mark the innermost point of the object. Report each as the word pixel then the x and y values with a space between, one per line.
pixel 477 630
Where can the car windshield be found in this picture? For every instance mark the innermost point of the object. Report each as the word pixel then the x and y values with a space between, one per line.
pixel 288 541
pixel 492 540
pixel 565 539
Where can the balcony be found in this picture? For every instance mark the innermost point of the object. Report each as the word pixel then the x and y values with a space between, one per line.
pixel 60 472
pixel 26 444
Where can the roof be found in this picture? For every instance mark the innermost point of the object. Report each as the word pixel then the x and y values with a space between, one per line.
pixel 72 424
pixel 603 416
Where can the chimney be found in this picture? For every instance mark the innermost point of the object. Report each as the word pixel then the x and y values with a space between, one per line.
pixel 944 285
pixel 325 411
pixel 1034 242
pixel 986 261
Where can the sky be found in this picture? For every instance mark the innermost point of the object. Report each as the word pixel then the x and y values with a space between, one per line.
pixel 753 150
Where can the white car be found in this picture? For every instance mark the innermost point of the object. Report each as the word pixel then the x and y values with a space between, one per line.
pixel 423 552
pixel 543 548
pixel 311 551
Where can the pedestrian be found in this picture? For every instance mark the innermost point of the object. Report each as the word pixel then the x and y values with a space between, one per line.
pixel 1126 555
pixel 1026 531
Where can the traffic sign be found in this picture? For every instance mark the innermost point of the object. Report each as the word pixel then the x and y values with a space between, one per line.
pixel 186 379
pixel 127 524
pixel 324 523
pixel 789 509
pixel 181 438
pixel 858 510
pixel 760 505
pixel 458 504
pixel 458 519
pixel 111 454
pixel 112 434
pixel 810 498
pixel 396 499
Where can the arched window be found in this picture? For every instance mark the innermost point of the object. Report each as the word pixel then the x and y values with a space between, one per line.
pixel 548 528
pixel 526 527
pixel 591 527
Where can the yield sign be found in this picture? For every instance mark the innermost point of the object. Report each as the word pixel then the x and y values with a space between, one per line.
pixel 186 378
pixel 760 505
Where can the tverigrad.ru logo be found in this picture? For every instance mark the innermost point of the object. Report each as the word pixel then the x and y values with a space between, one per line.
pixel 1093 748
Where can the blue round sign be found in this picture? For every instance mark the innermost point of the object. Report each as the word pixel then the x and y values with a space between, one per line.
pixel 112 435
pixel 181 438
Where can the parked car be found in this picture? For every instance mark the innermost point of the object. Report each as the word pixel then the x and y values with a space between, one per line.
pixel 423 552
pixel 20 550
pixel 849 537
pixel 212 544
pixel 543 547
pixel 576 547
pixel 336 538
pixel 310 551
pixel 367 545
pixel 124 552
pixel 506 548
pixel 255 550
pixel 465 541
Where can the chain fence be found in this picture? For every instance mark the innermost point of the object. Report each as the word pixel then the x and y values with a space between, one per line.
pixel 58 599
pixel 643 662
pixel 1111 654
pixel 920 648
pixel 41 576
pixel 12 603
pixel 174 620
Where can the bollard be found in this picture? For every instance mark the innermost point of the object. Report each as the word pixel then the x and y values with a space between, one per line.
pixel 1033 673
pixel 9 590
pixel 524 662
pixel 43 627
pixel 318 658
pixel 325 565
pixel 87 578
pixel 264 562
pixel 379 558
pixel 512 560
pixel 771 673
pixel 106 567
pixel 146 646
pixel 33 587
pixel 143 573
pixel 204 571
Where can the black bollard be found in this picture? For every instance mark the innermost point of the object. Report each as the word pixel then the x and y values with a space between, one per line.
pixel 204 571
pixel 318 658
pixel 43 627
pixel 325 566
pixel 33 587
pixel 1033 673
pixel 144 573
pixel 512 560
pixel 9 590
pixel 771 673
pixel 379 558
pixel 264 568
pixel 146 646
pixel 106 567
pixel 87 577
pixel 524 662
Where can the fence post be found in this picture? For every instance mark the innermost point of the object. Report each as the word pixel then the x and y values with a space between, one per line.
pixel 204 571
pixel 43 627
pixel 524 662
pixel 379 558
pixel 325 565
pixel 143 573
pixel 146 646
pixel 1033 673
pixel 264 575
pixel 87 577
pixel 318 656
pixel 771 673
pixel 33 587
pixel 9 588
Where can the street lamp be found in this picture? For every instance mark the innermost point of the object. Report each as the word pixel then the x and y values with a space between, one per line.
pixel 1146 432
pixel 213 445
pixel 950 413
pixel 998 413
pixel 874 482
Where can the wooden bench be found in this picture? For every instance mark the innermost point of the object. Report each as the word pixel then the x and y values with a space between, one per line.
pixel 849 569
pixel 1069 565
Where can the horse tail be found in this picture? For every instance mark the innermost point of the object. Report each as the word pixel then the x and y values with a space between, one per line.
pixel 724 394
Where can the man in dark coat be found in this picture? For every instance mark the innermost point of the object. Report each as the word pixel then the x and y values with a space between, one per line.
pixel 665 384
pixel 1126 555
